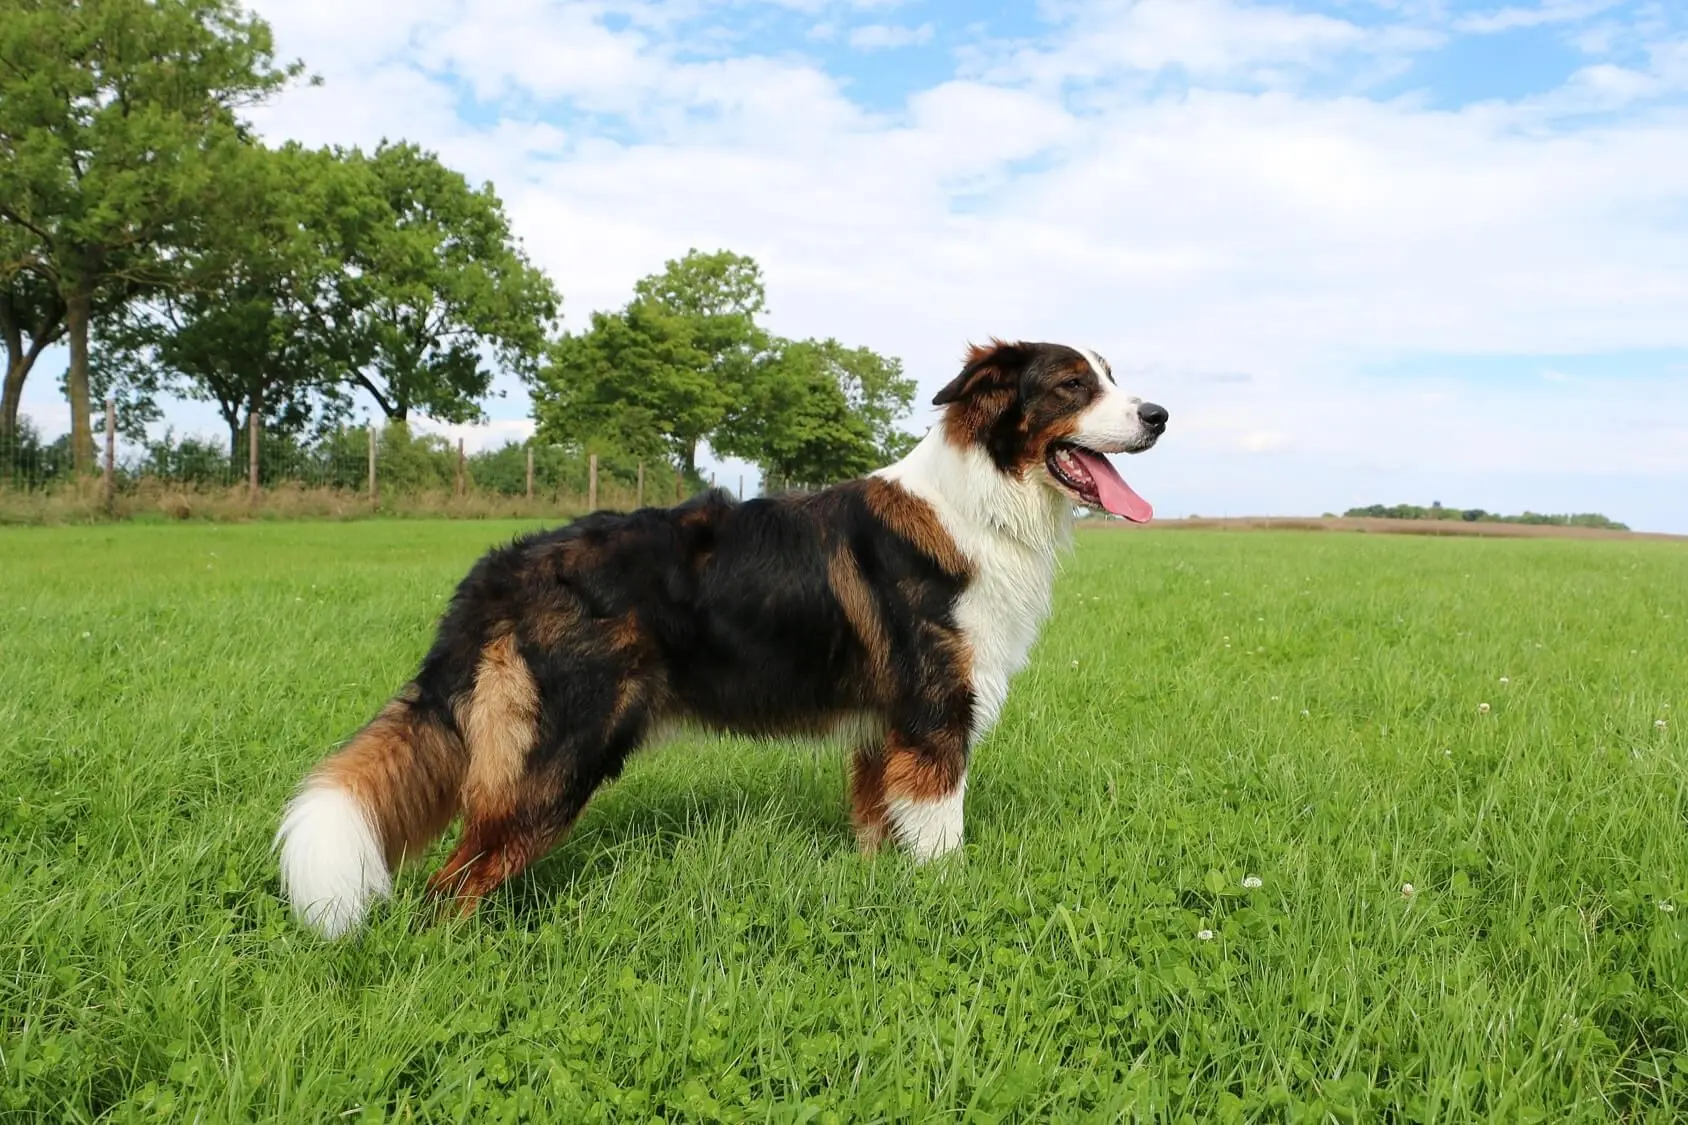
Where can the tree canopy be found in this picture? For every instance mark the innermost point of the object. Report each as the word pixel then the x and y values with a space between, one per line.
pixel 118 124
pixel 433 279
pixel 144 223
pixel 686 362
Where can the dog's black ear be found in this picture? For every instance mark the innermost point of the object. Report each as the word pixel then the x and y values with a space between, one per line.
pixel 998 362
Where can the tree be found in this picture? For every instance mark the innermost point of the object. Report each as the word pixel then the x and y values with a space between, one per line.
pixel 818 412
pixel 631 386
pixel 31 320
pixel 707 286
pixel 715 299
pixel 685 362
pixel 435 278
pixel 876 390
pixel 117 123
pixel 245 327
pixel 665 371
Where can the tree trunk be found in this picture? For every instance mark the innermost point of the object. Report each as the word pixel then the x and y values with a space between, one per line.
pixel 78 310
pixel 12 400
pixel 16 369
pixel 20 361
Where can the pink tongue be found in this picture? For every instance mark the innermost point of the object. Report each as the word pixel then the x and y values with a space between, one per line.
pixel 1115 494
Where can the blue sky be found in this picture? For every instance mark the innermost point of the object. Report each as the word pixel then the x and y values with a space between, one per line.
pixel 1364 250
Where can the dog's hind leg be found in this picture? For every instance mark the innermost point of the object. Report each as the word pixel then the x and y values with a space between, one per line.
pixel 538 751
pixel 504 833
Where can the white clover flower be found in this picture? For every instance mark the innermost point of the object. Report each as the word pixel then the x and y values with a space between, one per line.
pixel 1252 882
pixel 1204 935
pixel 1075 664
pixel 85 636
pixel 1482 708
pixel 1660 723
pixel 1505 680
pixel 1668 907
pixel 1407 890
pixel 1305 712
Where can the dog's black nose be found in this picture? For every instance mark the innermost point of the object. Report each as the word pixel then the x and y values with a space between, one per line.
pixel 1153 414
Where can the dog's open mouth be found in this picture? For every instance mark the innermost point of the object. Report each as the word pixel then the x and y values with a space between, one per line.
pixel 1089 476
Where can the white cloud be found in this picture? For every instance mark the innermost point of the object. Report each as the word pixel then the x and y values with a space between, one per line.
pixel 880 36
pixel 1548 12
pixel 1223 40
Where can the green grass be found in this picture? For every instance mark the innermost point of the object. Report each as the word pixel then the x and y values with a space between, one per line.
pixel 708 946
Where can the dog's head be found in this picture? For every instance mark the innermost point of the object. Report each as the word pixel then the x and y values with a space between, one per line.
pixel 1053 411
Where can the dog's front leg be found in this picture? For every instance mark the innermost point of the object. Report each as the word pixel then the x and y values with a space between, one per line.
pixel 925 776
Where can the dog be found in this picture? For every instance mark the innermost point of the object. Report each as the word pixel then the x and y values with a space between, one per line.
pixel 890 611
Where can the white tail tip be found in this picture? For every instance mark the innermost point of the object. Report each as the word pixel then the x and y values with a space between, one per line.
pixel 332 866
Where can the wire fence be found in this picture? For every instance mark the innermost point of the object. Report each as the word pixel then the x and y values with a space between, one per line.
pixel 349 471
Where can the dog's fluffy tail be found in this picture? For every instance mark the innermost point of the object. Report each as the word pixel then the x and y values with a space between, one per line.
pixel 383 797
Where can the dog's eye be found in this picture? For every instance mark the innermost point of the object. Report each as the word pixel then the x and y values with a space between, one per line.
pixel 1073 384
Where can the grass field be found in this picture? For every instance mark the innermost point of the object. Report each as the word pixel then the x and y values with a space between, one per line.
pixel 1463 913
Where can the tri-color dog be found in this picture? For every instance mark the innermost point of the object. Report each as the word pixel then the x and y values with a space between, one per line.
pixel 891 610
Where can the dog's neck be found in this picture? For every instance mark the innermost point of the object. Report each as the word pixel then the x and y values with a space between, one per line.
pixel 977 501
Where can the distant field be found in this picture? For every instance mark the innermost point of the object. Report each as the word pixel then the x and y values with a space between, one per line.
pixel 1482 528
pixel 1463 912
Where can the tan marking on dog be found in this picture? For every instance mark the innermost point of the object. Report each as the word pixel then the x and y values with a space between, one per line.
pixel 923 773
pixel 500 723
pixel 862 612
pixel 914 519
pixel 551 627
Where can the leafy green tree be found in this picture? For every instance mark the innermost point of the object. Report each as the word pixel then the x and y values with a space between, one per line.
pixel 795 422
pixel 118 119
pixel 817 412
pixel 661 375
pixel 685 362
pixel 715 298
pixel 435 281
pixel 630 387
pixel 245 328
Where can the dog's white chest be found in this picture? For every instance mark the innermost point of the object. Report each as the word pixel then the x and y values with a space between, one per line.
pixel 1001 613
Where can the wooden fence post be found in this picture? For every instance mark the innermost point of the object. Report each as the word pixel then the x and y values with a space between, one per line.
pixel 252 455
pixel 679 487
pixel 530 471
pixel 460 468
pixel 111 455
pixel 640 503
pixel 374 483
pixel 592 483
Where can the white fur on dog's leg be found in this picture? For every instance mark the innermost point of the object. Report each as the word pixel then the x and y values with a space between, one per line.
pixel 928 829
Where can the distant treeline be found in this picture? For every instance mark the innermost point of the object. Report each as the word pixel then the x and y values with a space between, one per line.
pixel 1475 515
